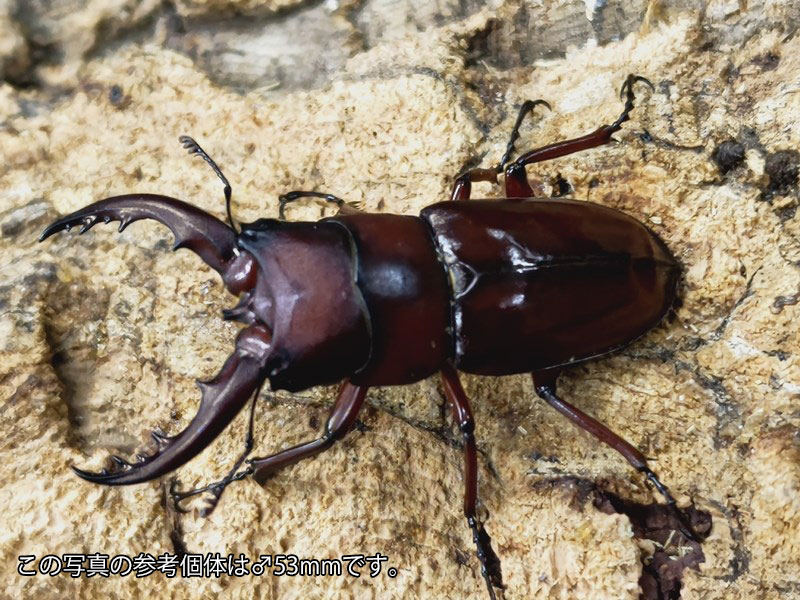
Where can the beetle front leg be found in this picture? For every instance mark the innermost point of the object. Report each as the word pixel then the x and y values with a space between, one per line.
pixel 218 487
pixel 544 383
pixel 345 208
pixel 462 411
pixel 340 421
pixel 516 180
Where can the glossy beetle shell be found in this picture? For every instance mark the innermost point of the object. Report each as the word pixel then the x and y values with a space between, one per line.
pixel 406 293
pixel 505 286
pixel 540 283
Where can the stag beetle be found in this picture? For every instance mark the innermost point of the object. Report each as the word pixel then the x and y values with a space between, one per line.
pixel 491 287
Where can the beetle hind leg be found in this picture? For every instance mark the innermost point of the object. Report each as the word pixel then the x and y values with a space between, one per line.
pixel 462 188
pixel 345 208
pixel 457 398
pixel 544 383
pixel 517 185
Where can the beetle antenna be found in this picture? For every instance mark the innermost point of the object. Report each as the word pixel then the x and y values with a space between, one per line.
pixel 194 148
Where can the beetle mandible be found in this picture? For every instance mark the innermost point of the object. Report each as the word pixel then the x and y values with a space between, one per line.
pixel 380 299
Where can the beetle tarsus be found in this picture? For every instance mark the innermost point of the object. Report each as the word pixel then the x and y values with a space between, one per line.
pixel 340 421
pixel 218 487
pixel 526 108
pixel 545 384
pixel 684 526
pixel 626 92
pixel 516 180
pixel 462 412
pixel 175 504
pixel 462 187
pixel 490 563
pixel 627 86
pixel 215 488
pixel 517 185
pixel 290 197
pixel 662 489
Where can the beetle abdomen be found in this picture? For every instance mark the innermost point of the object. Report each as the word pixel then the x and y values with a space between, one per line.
pixel 540 283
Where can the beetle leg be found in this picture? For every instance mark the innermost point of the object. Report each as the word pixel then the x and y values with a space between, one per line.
pixel 218 487
pixel 462 411
pixel 223 397
pixel 345 208
pixel 463 184
pixel 462 188
pixel 340 421
pixel 545 384
pixel 516 181
pixel 526 107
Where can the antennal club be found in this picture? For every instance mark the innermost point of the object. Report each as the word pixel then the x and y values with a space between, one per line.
pixel 194 148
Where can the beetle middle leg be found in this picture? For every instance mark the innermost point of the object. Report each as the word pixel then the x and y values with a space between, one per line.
pixel 340 421
pixel 462 411
pixel 517 185
pixel 544 383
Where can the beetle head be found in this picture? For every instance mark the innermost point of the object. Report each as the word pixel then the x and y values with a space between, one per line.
pixel 300 281
pixel 245 369
pixel 297 280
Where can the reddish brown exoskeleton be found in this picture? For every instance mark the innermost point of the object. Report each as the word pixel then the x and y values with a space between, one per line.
pixel 492 287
